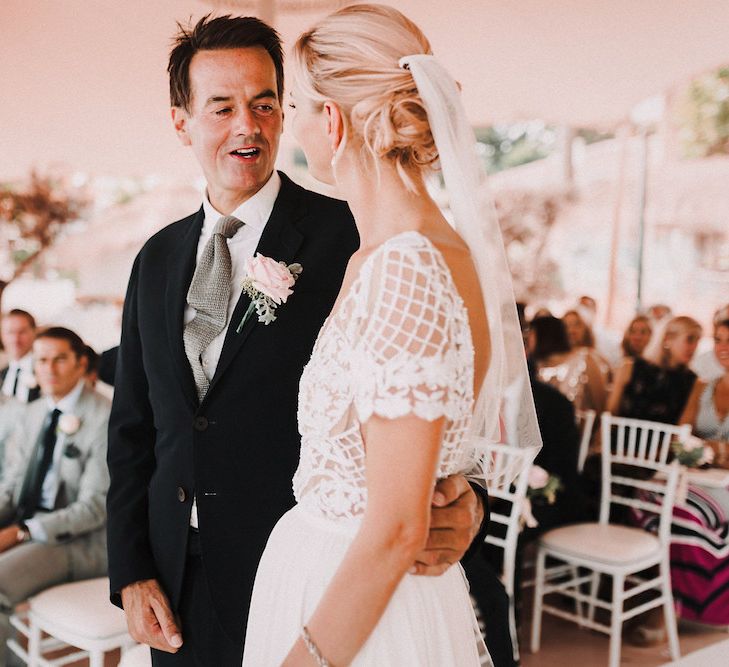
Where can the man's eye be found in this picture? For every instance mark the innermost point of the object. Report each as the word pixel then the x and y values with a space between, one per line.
pixel 222 112
pixel 264 108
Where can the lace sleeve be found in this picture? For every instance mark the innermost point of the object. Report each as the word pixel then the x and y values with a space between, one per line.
pixel 415 354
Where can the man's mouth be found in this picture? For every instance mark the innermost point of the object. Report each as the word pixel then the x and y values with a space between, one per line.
pixel 246 153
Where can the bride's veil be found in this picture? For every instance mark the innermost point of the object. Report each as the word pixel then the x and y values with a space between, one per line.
pixel 474 218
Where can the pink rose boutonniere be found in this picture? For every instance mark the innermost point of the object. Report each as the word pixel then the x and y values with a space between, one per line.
pixel 68 424
pixel 268 283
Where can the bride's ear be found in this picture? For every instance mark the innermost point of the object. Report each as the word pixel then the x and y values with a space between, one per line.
pixel 335 125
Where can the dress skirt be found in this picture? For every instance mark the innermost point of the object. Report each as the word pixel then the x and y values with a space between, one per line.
pixel 429 621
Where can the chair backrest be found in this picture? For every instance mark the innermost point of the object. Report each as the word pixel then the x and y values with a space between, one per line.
pixel 639 438
pixel 585 422
pixel 634 469
pixel 509 476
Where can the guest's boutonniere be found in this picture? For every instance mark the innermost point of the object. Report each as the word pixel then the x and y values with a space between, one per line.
pixel 28 379
pixel 268 283
pixel 68 424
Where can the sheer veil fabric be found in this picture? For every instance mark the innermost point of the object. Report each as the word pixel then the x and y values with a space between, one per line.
pixel 474 218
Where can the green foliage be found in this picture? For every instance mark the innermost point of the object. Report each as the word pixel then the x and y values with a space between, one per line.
pixel 704 115
pixel 506 146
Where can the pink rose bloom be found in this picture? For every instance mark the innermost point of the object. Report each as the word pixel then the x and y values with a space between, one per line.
pixel 692 443
pixel 69 424
pixel 270 277
pixel 538 477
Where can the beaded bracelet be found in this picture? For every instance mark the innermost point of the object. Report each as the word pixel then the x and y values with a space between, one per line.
pixel 321 661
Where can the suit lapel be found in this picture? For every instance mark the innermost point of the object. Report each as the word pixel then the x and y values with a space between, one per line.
pixel 281 241
pixel 180 268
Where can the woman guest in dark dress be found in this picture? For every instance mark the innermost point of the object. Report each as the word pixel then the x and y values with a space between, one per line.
pixel 636 337
pixel 657 387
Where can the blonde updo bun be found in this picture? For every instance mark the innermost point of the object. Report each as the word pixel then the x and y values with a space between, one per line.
pixel 351 58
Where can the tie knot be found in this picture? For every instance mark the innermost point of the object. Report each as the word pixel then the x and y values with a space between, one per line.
pixel 227 226
pixel 54 416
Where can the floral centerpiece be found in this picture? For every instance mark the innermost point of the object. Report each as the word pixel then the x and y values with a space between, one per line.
pixel 542 488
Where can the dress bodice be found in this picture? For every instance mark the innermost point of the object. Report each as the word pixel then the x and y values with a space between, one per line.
pixel 655 393
pixel 569 376
pixel 708 424
pixel 398 344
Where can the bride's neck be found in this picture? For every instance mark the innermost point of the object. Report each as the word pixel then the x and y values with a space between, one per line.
pixel 383 207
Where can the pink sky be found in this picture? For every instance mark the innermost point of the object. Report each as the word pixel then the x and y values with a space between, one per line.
pixel 84 82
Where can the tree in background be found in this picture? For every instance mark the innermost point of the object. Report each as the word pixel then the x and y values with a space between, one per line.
pixel 32 216
pixel 526 218
pixel 704 115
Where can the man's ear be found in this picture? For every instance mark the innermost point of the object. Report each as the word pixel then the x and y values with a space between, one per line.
pixel 180 118
pixel 335 125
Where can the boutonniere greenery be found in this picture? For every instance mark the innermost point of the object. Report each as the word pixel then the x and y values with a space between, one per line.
pixel 268 283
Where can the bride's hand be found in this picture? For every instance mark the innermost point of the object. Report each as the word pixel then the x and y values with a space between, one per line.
pixel 455 520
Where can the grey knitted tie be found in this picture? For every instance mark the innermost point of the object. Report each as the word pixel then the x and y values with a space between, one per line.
pixel 209 295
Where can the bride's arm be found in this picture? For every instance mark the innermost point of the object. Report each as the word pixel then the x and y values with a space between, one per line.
pixel 402 456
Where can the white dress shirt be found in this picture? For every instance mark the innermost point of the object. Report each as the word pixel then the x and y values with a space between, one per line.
pixel 23 371
pixel 52 481
pixel 254 213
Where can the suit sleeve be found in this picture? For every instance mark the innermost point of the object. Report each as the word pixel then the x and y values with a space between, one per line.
pixel 15 463
pixel 130 457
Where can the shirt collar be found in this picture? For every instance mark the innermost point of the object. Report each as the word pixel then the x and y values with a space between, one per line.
pixel 68 402
pixel 254 212
pixel 24 363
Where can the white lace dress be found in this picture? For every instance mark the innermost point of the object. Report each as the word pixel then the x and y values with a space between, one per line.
pixel 399 343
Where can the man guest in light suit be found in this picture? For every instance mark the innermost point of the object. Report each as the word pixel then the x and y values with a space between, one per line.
pixel 203 438
pixel 53 491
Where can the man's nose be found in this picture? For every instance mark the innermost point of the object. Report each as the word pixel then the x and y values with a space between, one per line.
pixel 246 122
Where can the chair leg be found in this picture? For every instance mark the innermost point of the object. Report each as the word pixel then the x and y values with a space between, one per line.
pixel 512 629
pixel 594 588
pixel 669 612
pixel 537 606
pixel 34 643
pixel 616 620
pixel 575 574
pixel 96 659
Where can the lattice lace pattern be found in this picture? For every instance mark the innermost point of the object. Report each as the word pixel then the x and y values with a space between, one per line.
pixel 399 343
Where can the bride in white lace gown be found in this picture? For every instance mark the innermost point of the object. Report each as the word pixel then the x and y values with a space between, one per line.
pixel 387 400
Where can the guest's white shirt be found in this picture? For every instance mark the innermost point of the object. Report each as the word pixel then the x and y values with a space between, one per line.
pixel 22 370
pixel 254 212
pixel 52 481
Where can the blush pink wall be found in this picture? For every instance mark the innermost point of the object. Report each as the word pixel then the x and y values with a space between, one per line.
pixel 83 82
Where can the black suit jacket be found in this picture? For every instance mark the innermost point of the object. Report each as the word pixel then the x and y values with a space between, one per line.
pixel 33 393
pixel 237 450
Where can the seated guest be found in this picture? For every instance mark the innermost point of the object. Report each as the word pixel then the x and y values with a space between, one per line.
pixel 580 334
pixel 53 491
pixel 705 364
pixel 17 331
pixel 607 343
pixel 576 373
pixel 657 387
pixel 636 337
pixel 708 406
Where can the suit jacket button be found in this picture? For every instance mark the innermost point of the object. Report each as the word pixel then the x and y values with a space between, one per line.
pixel 200 423
pixel 181 495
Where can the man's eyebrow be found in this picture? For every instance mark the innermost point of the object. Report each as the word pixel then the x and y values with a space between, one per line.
pixel 215 99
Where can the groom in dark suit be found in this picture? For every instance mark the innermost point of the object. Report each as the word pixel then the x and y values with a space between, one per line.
pixel 203 438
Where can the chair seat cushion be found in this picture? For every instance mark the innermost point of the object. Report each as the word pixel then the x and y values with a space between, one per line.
pixel 139 656
pixel 81 608
pixel 614 545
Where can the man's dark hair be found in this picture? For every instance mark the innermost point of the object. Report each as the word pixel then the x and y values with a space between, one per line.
pixel 550 337
pixel 61 333
pixel 92 359
pixel 221 32
pixel 17 312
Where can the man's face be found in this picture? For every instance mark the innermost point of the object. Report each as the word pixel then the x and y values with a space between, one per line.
pixel 234 123
pixel 17 335
pixel 57 367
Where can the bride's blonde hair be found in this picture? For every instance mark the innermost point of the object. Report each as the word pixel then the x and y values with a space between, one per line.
pixel 351 58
